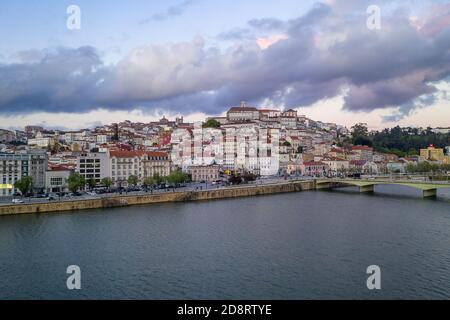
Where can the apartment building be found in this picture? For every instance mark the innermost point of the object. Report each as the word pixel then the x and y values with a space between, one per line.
pixel 14 166
pixel 93 165
pixel 139 164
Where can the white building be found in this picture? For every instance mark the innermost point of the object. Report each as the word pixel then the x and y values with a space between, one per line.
pixel 93 165
pixel 243 113
pixel 56 179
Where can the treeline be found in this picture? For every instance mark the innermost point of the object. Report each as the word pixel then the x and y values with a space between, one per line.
pixel 399 141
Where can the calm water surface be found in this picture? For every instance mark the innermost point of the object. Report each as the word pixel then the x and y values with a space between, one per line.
pixel 310 245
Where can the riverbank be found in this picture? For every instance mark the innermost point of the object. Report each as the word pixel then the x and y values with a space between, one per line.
pixel 125 201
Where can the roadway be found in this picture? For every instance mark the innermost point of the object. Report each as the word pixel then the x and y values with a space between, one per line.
pixel 190 187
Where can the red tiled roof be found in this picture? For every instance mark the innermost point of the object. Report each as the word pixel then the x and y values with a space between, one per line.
pixel 241 109
pixel 362 148
pixel 334 159
pixel 269 110
pixel 52 167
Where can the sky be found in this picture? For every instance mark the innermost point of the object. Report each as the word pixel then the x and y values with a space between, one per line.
pixel 141 59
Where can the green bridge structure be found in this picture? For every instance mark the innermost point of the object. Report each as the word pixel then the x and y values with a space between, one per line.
pixel 429 189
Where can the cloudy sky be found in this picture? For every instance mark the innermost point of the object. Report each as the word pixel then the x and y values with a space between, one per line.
pixel 141 59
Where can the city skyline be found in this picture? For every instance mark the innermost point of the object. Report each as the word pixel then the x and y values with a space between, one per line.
pixel 173 59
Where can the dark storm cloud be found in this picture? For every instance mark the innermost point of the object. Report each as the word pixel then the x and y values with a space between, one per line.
pixel 322 54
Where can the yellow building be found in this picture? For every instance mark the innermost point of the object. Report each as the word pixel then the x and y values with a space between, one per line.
pixel 447 159
pixel 432 153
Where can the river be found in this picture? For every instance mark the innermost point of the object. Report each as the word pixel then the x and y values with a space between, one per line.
pixel 307 245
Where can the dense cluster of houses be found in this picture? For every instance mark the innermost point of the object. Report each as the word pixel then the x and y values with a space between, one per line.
pixel 245 139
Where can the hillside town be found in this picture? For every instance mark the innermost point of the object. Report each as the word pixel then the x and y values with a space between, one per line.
pixel 127 154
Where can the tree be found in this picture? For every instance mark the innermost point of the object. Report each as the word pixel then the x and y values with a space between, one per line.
pixel 133 181
pixel 115 136
pixel 149 182
pixel 92 183
pixel 24 185
pixel 107 182
pixel 235 179
pixel 157 178
pixel 300 149
pixel 211 123
pixel 177 177
pixel 75 182
pixel 360 135
pixel 360 130
pixel 248 177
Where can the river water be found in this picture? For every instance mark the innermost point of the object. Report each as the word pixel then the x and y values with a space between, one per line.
pixel 309 245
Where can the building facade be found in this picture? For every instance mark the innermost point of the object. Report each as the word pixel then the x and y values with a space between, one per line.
pixel 155 163
pixel 56 179
pixel 204 173
pixel 93 165
pixel 14 166
pixel 432 153
pixel 140 164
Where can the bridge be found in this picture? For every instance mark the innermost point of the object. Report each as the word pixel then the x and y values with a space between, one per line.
pixel 429 189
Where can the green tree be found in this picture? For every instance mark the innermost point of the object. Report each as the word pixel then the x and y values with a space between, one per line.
pixel 211 123
pixel 158 179
pixel 149 182
pixel 75 182
pixel 92 183
pixel 133 181
pixel 24 185
pixel 360 130
pixel 107 182
pixel 177 177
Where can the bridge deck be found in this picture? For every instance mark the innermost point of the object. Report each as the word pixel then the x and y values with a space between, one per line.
pixel 422 185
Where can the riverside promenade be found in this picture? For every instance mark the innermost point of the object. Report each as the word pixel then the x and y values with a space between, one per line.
pixel 146 199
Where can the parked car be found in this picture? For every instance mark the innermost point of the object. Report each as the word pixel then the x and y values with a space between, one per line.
pixel 17 201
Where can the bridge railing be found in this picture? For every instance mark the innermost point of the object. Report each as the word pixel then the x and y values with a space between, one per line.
pixel 388 179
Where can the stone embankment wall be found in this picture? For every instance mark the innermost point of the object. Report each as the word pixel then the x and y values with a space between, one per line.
pixel 124 201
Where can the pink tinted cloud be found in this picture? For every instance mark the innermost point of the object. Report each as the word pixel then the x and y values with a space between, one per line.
pixel 434 21
pixel 265 43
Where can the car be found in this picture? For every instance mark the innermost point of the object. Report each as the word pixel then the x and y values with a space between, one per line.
pixel 17 201
pixel 51 198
